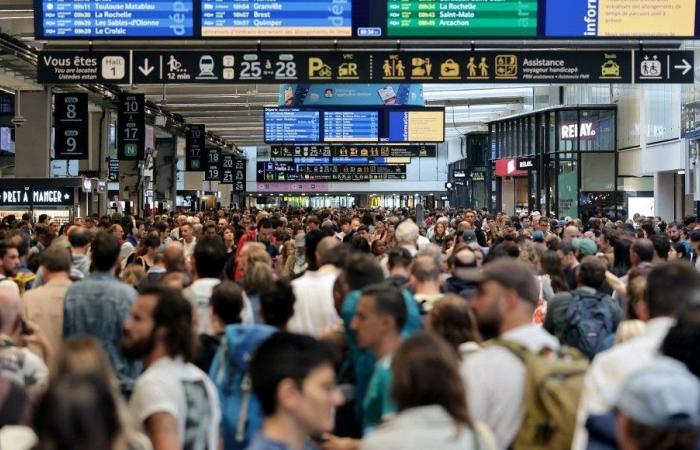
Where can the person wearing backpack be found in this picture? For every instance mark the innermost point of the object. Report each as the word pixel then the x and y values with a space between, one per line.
pixel 523 385
pixel 585 318
pixel 294 379
pixel 242 413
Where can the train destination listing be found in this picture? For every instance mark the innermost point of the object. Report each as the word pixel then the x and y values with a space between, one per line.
pixel 276 18
pixel 117 19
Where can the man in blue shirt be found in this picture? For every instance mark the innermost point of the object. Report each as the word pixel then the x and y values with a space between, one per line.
pixel 294 380
pixel 99 305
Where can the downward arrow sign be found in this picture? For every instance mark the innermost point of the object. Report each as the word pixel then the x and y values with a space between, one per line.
pixel 146 69
pixel 685 66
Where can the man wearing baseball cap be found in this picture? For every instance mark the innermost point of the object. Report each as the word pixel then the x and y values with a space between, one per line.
pixel 659 407
pixel 503 305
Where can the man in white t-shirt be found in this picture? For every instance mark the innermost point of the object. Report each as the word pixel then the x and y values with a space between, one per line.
pixel 17 362
pixel 314 309
pixel 173 401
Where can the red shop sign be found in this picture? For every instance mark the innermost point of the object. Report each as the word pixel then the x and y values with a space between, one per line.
pixel 508 167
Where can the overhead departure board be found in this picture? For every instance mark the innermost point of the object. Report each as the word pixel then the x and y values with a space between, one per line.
pixel 416 126
pixel 114 19
pixel 282 171
pixel 292 125
pixel 351 126
pixel 620 18
pixel 276 18
pixel 461 18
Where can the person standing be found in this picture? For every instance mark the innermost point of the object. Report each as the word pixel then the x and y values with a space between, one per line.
pixel 173 401
pixel 494 376
pixel 9 265
pixel 99 305
pixel 44 305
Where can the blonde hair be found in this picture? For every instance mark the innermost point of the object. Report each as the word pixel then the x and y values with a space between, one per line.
pixel 629 329
pixel 256 265
pixel 83 355
pixel 133 274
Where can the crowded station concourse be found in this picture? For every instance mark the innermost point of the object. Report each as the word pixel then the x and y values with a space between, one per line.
pixel 349 225
pixel 542 333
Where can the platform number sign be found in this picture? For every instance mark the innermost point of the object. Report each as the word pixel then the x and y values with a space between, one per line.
pixel 239 175
pixel 212 167
pixel 71 126
pixel 195 141
pixel 131 124
pixel 227 170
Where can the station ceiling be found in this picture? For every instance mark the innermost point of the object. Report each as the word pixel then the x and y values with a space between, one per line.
pixel 234 112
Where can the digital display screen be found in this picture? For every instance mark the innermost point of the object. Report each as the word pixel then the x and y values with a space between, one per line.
pixel 282 171
pixel 351 126
pixel 416 126
pixel 365 19
pixel 276 18
pixel 114 19
pixel 6 142
pixel 462 18
pixel 620 18
pixel 292 125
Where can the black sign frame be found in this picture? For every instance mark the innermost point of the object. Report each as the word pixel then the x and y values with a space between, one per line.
pixel 32 196
pixel 280 171
pixel 227 169
pixel 525 163
pixel 362 66
pixel 212 164
pixel 131 127
pixel 195 143
pixel 369 150
pixel 651 67
pixel 239 177
pixel 113 170
pixel 71 139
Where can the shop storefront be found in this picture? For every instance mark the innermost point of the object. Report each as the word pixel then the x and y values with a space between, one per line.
pixel 561 161
pixel 60 198
pixel 470 176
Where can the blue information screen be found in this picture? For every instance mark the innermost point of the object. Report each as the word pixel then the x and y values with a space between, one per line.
pixel 114 19
pixel 398 126
pixel 292 125
pixel 277 18
pixel 351 126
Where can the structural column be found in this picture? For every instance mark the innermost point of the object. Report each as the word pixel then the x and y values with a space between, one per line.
pixel 33 138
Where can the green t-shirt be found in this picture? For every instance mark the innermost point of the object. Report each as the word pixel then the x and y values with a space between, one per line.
pixel 378 404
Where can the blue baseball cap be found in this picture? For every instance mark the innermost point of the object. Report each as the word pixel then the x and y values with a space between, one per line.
pixel 663 394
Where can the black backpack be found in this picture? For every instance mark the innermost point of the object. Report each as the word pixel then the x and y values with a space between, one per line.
pixel 589 323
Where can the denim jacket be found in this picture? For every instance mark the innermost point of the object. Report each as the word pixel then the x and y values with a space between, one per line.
pixel 98 306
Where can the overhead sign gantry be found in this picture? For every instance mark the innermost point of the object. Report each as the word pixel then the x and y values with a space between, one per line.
pixel 224 67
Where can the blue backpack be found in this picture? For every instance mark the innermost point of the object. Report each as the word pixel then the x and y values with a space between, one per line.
pixel 241 413
pixel 590 326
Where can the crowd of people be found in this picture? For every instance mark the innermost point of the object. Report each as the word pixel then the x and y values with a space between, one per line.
pixel 340 329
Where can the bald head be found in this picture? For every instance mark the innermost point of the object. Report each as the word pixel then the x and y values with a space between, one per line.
pixel 571 232
pixel 323 247
pixel 465 258
pixel 9 310
pixel 425 269
pixel 174 257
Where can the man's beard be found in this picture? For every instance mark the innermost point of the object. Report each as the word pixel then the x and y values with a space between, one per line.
pixel 139 349
pixel 489 325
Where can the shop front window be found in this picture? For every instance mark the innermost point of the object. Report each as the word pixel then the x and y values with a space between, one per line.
pixel 552 133
pixel 568 131
pixel 567 188
pixel 597 172
pixel 551 171
pixel 597 130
